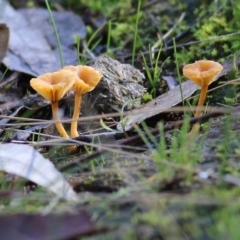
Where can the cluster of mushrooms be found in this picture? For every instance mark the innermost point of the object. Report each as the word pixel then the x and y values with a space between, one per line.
pixel 82 79
pixel 53 86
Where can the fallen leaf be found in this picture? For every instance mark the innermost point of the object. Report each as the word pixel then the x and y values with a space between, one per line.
pixel 32 45
pixel 157 105
pixel 4 37
pixel 68 25
pixel 25 161
pixel 23 226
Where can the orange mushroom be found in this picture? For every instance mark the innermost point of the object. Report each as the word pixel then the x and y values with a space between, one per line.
pixel 202 73
pixel 53 86
pixel 87 79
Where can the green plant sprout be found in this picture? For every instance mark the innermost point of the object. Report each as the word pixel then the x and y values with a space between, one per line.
pixel 104 126
pixel 3 75
pixel 142 135
pixel 162 145
pixel 147 97
pixel 136 31
pixel 155 76
pixel 178 72
pixel 122 119
pixel 109 36
pixel 77 40
pixel 93 35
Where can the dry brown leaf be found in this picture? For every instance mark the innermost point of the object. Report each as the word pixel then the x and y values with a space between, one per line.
pixel 4 38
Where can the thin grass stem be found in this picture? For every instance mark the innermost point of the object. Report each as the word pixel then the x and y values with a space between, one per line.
pixel 136 32
pixel 109 35
pixel 56 33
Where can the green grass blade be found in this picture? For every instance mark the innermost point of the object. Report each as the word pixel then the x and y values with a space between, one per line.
pixel 56 33
pixel 136 32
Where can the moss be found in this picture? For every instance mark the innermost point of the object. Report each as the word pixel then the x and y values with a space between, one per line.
pixel 224 20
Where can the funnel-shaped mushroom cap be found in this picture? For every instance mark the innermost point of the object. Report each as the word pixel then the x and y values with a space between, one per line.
pixel 53 86
pixel 88 78
pixel 202 72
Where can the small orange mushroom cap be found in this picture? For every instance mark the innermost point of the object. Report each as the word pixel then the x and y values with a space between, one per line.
pixel 53 86
pixel 202 72
pixel 88 78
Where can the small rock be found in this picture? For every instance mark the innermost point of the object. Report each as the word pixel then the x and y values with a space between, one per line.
pixel 121 83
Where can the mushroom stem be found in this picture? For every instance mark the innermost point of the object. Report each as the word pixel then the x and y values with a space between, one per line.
pixel 201 100
pixel 77 107
pixel 58 124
